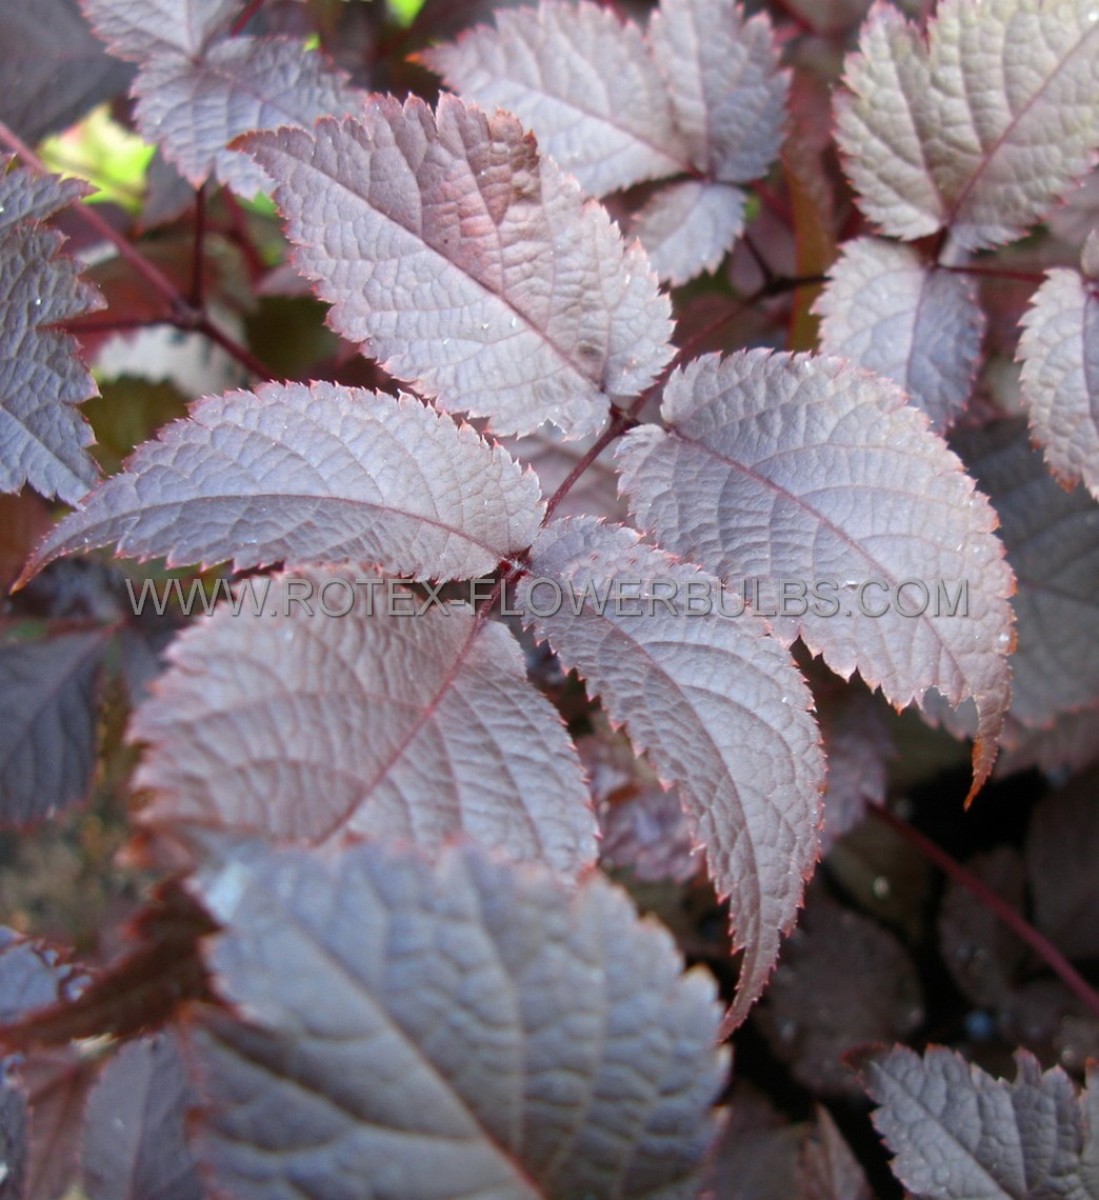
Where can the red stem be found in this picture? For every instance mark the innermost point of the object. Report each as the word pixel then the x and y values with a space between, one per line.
pixel 149 271
pixel 186 315
pixel 239 24
pixel 1015 921
pixel 198 280
pixel 995 272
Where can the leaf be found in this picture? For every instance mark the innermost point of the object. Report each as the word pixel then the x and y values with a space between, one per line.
pixel 42 436
pixel 1062 841
pixel 14 1140
pixel 756 1156
pixel 1052 542
pixel 467 1028
pixel 307 473
pixel 259 725
pixel 34 975
pixel 134 1145
pixel 920 326
pixel 980 129
pixel 53 67
pixel 582 79
pixel 194 109
pixel 1059 350
pixel 687 227
pixel 983 955
pixel 842 980
pixel 727 93
pixel 800 471
pixel 1069 744
pixel 49 694
pixel 714 702
pixel 858 745
pixel 827 1170
pixel 643 828
pixel 442 268
pixel 959 1133
pixel 553 459
pixel 140 29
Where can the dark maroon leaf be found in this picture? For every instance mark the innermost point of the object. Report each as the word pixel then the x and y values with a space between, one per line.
pixel 643 827
pixel 688 227
pixel 981 953
pixel 42 436
pixel 716 704
pixel 827 1170
pixel 452 225
pixel 842 980
pixel 56 1081
pixel 958 1133
pixel 583 80
pixel 259 725
pixel 980 128
pixel 310 473
pixel 764 475
pixel 888 311
pixel 14 1140
pixel 54 69
pixel 1062 844
pixel 1059 350
pixel 195 109
pixel 1069 744
pixel 38 1122
pixel 134 1146
pixel 858 745
pixel 728 95
pixel 49 692
pixel 1052 542
pixel 756 1156
pixel 467 1028
pixel 139 29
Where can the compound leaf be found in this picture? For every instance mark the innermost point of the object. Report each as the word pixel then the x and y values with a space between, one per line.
pixel 314 472
pixel 468 263
pixel 42 436
pixel 802 472
pixel 980 129
pixel 308 716
pixel 960 1134
pixel 716 703
pixel 1059 350
pixel 886 310
pixel 583 80
pixel 460 1029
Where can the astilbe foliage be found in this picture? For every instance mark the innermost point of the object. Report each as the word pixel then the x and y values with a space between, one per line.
pixel 618 491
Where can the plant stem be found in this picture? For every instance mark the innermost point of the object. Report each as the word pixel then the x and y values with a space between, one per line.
pixel 148 271
pixel 995 272
pixel 238 25
pixel 197 275
pixel 186 314
pixel 1015 921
